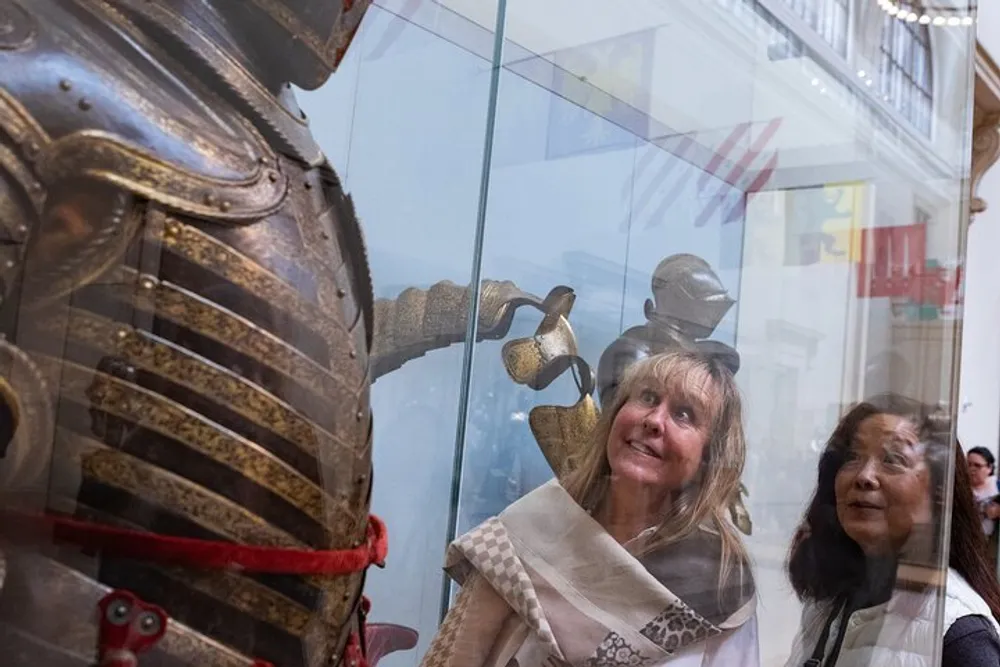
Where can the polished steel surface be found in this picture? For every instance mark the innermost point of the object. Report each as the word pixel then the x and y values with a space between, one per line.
pixel 188 320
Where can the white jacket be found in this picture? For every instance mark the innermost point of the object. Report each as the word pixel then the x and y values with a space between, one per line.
pixel 900 633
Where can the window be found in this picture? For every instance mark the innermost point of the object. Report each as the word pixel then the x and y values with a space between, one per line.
pixel 782 43
pixel 827 17
pixel 905 71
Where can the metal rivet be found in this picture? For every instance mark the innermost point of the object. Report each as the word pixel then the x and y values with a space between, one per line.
pixel 273 177
pixel 347 596
pixel 147 284
pixel 66 84
pixel 84 104
pixel 353 354
pixel 360 415
pixel 116 220
pixel 263 160
pixel 309 186
pixel 225 206
pixel 172 228
pixel 10 264
pixel 341 293
pixel 210 199
pixel 361 479
pixel 22 229
pixel 122 334
pixel 324 236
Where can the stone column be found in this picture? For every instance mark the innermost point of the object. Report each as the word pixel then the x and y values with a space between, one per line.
pixel 985 126
pixel 985 152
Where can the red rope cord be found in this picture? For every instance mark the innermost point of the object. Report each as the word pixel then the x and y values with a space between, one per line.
pixel 201 554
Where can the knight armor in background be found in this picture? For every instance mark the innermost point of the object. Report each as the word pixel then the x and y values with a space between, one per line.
pixel 188 321
pixel 689 302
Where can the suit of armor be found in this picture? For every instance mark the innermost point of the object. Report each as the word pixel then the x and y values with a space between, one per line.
pixel 188 320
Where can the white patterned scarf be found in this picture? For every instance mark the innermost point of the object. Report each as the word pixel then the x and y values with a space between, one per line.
pixel 544 585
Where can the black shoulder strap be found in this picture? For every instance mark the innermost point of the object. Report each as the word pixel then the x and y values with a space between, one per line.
pixel 817 655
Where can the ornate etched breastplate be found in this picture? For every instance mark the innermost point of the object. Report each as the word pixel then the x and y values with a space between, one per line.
pixel 196 320
pixel 214 385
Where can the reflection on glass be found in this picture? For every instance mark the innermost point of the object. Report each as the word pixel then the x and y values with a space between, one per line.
pixel 905 70
pixel 827 17
pixel 867 559
pixel 803 152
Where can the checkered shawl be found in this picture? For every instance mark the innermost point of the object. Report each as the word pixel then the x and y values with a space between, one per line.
pixel 543 573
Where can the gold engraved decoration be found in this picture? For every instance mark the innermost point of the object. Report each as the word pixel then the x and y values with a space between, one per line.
pixel 30 139
pixel 85 238
pixel 207 252
pixel 17 169
pixel 212 321
pixel 171 492
pixel 562 432
pixel 21 126
pixel 418 321
pixel 110 159
pixel 148 352
pixel 248 596
pixel 24 388
pixel 161 415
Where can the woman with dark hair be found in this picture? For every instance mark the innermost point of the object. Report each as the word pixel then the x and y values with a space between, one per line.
pixel 982 467
pixel 866 561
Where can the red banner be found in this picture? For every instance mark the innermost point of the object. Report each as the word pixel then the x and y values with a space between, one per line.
pixel 894 265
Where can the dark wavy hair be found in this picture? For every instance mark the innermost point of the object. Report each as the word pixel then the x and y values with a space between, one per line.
pixel 987 456
pixel 825 564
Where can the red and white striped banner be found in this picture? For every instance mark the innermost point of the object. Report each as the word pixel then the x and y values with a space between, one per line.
pixel 740 164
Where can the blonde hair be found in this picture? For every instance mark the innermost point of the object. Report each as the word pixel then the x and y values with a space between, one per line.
pixel 702 504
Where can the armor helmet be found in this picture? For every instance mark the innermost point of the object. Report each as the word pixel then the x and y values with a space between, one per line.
pixel 687 296
pixel 321 31
pixel 688 303
pixel 644 341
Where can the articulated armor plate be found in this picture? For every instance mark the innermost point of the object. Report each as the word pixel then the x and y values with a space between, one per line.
pixel 188 319
pixel 325 27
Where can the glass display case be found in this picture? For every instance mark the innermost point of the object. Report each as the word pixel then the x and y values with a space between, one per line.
pixel 630 326
pixel 813 154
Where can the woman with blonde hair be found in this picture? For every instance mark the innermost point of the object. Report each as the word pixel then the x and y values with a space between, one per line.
pixel 630 560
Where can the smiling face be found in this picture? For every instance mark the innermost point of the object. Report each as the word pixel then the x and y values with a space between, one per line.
pixel 883 487
pixel 659 436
